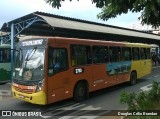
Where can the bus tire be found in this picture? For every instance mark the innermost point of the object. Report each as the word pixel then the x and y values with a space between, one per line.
pixel 79 92
pixel 133 78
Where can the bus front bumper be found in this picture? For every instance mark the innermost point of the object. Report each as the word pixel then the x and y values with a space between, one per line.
pixel 35 98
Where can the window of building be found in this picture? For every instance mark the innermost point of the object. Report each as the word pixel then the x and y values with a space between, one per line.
pixel 100 54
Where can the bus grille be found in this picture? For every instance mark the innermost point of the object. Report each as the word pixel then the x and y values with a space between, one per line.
pixel 28 91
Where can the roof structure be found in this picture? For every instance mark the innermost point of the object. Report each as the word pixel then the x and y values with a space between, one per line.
pixel 39 23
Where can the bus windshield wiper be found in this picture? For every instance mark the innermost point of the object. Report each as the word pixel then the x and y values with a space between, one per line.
pixel 29 55
pixel 20 51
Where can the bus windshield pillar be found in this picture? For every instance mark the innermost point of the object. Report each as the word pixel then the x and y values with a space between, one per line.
pixel 12 48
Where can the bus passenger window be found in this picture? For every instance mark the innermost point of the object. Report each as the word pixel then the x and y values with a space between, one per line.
pixel 5 55
pixel 126 53
pixel 135 53
pixel 57 60
pixel 143 53
pixel 148 53
pixel 115 54
pixel 80 55
pixel 100 54
pixel 1 55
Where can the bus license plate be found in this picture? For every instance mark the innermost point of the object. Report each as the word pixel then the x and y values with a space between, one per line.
pixel 21 96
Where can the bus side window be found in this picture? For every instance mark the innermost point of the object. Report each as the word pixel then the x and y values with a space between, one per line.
pixel 1 55
pixel 135 53
pixel 115 54
pixel 100 54
pixel 143 53
pixel 57 60
pixel 148 53
pixel 5 55
pixel 126 53
pixel 80 55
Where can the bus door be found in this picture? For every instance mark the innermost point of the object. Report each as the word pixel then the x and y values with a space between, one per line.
pixel 116 72
pixel 99 76
pixel 124 70
pixel 81 63
pixel 114 67
pixel 124 66
pixel 145 61
pixel 58 77
pixel 148 61
pixel 111 73
pixel 136 63
pixel 99 69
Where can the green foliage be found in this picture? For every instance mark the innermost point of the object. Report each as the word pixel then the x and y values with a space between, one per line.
pixel 150 9
pixel 142 101
pixel 55 3
pixel 129 99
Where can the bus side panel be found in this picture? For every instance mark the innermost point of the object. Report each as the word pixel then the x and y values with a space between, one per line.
pixel 146 66
pixel 142 67
pixel 75 76
pixel 119 70
pixel 99 77
pixel 5 72
pixel 56 86
pixel 136 65
pixel 105 75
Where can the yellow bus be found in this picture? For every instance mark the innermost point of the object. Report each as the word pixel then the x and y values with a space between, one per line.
pixel 50 69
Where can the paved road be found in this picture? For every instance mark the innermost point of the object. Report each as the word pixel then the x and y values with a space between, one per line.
pixel 104 101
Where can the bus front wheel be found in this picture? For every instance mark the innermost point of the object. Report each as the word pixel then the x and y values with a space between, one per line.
pixel 79 92
pixel 133 78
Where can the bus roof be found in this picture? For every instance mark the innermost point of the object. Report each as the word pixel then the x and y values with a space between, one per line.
pixel 87 41
pixel 98 42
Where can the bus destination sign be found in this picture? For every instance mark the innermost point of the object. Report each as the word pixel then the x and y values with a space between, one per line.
pixel 33 42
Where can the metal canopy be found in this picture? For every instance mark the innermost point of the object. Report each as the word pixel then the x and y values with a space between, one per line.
pixel 44 24
pixel 4 38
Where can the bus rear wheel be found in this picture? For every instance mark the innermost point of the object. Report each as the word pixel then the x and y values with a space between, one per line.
pixel 133 78
pixel 79 92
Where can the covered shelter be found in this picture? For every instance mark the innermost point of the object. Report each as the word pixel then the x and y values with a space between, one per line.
pixel 44 24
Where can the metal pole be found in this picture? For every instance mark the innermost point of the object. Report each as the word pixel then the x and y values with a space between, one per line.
pixel 12 48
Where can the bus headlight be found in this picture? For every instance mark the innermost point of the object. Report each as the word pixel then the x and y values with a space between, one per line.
pixel 39 86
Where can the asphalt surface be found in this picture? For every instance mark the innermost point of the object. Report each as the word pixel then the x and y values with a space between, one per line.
pixel 103 101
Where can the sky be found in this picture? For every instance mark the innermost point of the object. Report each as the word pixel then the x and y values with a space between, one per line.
pixel 84 9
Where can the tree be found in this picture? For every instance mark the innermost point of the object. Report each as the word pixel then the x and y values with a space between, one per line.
pixel 150 9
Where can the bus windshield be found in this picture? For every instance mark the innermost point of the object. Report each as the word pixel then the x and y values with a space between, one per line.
pixel 29 65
